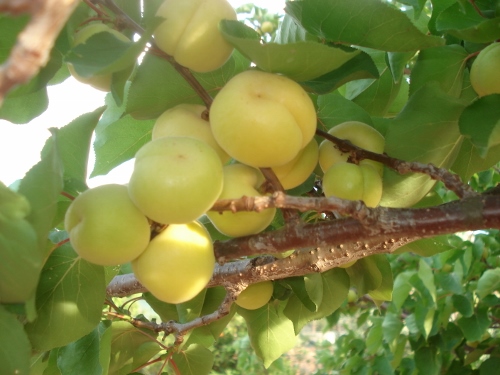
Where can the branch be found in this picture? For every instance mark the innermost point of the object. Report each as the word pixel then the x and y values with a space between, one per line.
pixel 450 180
pixel 329 244
pixel 35 42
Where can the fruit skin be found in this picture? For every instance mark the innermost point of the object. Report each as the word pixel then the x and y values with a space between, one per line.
pixel 353 182
pixel 485 71
pixel 255 296
pixel 175 179
pixel 267 27
pixel 348 264
pixel 190 33
pixel 177 264
pixel 295 172
pixel 184 120
pixel 105 227
pixel 262 119
pixel 240 180
pixel 102 81
pixel 359 134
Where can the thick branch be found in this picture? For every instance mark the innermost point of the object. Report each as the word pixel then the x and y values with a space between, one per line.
pixel 474 213
pixel 35 42
pixel 329 244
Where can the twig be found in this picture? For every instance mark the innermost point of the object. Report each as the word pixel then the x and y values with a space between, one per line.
pixel 35 42
pixel 291 216
pixel 450 180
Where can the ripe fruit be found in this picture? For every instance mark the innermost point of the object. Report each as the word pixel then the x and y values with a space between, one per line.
pixel 175 179
pixel 177 264
pixel 190 32
pixel 359 134
pixel 185 120
pixel 353 182
pixel 485 71
pixel 255 296
pixel 262 119
pixel 105 227
pixel 352 296
pixel 240 180
pixel 296 171
pixel 103 81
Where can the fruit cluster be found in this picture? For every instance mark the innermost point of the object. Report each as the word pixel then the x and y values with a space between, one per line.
pixel 257 120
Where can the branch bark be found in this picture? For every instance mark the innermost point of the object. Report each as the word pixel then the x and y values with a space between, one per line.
pixel 329 244
pixel 35 42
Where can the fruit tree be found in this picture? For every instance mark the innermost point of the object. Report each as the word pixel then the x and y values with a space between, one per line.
pixel 338 161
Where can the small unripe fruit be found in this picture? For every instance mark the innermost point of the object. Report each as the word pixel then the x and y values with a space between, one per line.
pixel 255 296
pixel 485 71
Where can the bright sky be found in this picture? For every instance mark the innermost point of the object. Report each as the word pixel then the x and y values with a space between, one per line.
pixel 20 145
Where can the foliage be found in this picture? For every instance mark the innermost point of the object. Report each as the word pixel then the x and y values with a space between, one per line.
pixel 402 67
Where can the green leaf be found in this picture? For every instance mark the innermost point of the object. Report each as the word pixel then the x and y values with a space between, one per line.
pixel 384 291
pixel 290 32
pixel 463 305
pixel 157 86
pixel 359 67
pixel 427 277
pixel 490 366
pixel 298 285
pixel 402 288
pixel 426 247
pixel 365 274
pixel 208 334
pixel 489 282
pixel 11 27
pixel 463 21
pixel 335 286
pixel 271 332
pixel 485 134
pixel 69 300
pixel 27 101
pixel 73 141
pixel 22 260
pixel 16 349
pixel 444 65
pixel 334 109
pixel 42 186
pixel 196 360
pixel 377 95
pixel 82 356
pixel 469 161
pixel 426 131
pixel 118 142
pixel 371 24
pixel 166 311
pixel 475 326
pixel 428 361
pixel 104 53
pixel 375 336
pixel 392 327
pixel 300 61
pixel 130 347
